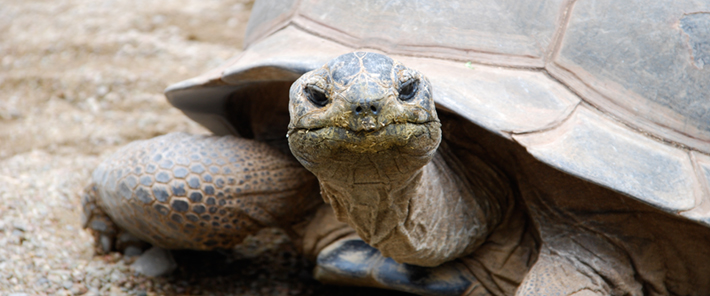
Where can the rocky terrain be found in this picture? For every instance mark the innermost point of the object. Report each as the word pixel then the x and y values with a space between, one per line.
pixel 78 79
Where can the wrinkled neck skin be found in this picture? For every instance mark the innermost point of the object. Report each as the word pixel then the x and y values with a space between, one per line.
pixel 416 209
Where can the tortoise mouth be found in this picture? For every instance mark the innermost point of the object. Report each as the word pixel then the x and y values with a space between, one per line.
pixel 364 129
pixel 415 138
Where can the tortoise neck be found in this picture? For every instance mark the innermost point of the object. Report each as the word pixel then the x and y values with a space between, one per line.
pixel 424 216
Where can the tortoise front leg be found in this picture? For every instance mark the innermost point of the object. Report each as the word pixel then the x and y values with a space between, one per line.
pixel 182 191
pixel 342 258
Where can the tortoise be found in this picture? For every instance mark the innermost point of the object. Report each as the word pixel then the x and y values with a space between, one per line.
pixel 443 148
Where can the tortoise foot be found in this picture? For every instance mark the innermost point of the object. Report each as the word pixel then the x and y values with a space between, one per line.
pixel 353 262
pixel 108 237
pixel 95 220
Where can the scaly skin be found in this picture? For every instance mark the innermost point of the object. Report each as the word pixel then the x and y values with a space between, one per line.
pixel 181 191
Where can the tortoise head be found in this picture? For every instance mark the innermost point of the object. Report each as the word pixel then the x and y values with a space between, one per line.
pixel 359 104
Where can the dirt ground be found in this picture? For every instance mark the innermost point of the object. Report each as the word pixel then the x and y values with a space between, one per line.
pixel 79 79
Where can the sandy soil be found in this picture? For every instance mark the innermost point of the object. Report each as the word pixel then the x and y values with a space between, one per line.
pixel 78 79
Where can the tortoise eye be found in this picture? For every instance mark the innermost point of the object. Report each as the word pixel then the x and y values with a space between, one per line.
pixel 316 95
pixel 408 89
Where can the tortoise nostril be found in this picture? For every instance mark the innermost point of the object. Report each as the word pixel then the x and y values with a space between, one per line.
pixel 367 108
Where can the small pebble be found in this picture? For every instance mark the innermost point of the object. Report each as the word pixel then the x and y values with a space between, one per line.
pixel 54 278
pixel 102 90
pixel 92 292
pixel 20 226
pixel 78 289
pixel 42 281
pixel 117 276
pixel 155 262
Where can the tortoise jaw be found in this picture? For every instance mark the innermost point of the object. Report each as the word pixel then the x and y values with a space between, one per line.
pixel 318 145
pixel 369 136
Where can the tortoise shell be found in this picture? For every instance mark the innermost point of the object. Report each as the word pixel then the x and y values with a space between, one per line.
pixel 616 93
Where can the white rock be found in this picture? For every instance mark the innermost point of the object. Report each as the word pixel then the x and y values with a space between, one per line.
pixel 155 262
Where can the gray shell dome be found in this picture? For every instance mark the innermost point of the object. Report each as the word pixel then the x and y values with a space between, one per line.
pixel 617 93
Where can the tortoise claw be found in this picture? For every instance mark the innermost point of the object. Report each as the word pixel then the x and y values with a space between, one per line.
pixel 354 262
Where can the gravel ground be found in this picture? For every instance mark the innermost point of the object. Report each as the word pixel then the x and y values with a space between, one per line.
pixel 79 79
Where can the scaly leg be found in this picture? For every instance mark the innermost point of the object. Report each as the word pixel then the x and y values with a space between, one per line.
pixel 182 191
pixel 342 258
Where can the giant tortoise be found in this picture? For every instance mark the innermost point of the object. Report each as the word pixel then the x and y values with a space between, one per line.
pixel 444 147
